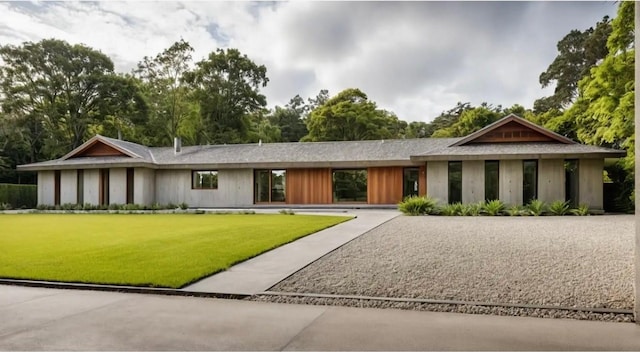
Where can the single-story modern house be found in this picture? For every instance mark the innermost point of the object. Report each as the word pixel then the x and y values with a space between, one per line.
pixel 512 160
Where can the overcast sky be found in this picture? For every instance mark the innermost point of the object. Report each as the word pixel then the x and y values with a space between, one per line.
pixel 414 58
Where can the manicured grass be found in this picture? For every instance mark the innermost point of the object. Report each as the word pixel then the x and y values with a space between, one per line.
pixel 160 250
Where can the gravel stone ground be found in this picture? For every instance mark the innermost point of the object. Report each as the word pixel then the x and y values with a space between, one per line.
pixel 566 261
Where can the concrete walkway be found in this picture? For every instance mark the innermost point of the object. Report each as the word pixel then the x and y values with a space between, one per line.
pixel 260 273
pixel 51 319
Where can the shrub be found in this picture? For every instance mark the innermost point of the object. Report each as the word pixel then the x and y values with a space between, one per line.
pixel 287 212
pixel 581 210
pixel 184 206
pixel 131 206
pixel 493 207
pixel 416 205
pixel 536 207
pixel 516 210
pixel 472 209
pixel 559 207
pixel 19 196
pixel 5 206
pixel 454 209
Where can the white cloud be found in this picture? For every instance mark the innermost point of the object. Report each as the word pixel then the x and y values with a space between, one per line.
pixel 414 58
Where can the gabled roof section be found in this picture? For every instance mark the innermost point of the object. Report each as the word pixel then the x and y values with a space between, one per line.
pixel 512 129
pixel 100 146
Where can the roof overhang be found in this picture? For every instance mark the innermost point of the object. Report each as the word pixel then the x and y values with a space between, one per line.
pixel 95 140
pixel 456 157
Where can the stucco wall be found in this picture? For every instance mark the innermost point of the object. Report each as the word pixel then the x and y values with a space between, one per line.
pixel 437 180
pixel 551 177
pixel 590 185
pixel 91 186
pixel 511 181
pixel 144 186
pixel 235 188
pixel 118 186
pixel 69 186
pixel 472 181
pixel 46 187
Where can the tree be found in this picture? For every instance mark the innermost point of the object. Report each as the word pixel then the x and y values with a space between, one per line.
pixel 172 112
pixel 290 119
pixel 227 87
pixel 578 52
pixel 471 120
pixel 351 116
pixel 57 92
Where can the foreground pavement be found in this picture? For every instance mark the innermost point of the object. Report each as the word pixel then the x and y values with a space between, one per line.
pixel 52 319
pixel 258 274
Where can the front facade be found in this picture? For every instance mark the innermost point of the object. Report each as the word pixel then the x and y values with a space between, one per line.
pixel 512 160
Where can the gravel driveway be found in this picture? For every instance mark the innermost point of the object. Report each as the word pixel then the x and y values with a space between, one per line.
pixel 553 261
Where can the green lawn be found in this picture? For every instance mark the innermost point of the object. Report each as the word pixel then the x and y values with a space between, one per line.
pixel 160 250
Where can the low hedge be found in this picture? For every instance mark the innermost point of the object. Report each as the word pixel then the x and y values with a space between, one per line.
pixel 18 196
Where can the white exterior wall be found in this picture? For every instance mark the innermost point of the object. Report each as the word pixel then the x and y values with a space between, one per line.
pixel 590 184
pixel 438 180
pixel 144 186
pixel 235 189
pixel 551 177
pixel 118 186
pixel 92 186
pixel 511 181
pixel 472 181
pixel 46 187
pixel 68 186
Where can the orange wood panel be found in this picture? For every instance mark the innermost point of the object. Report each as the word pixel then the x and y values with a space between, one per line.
pixel 309 186
pixel 422 181
pixel 99 149
pixel 513 132
pixel 384 185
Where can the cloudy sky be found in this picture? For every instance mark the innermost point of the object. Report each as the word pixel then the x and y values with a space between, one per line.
pixel 414 58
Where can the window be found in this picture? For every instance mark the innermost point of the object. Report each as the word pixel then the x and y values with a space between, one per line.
pixel 455 182
pixel 270 186
pixel 80 187
pixel 56 187
pixel 529 180
pixel 571 182
pixel 204 179
pixel 491 180
pixel 410 181
pixel 130 179
pixel 350 185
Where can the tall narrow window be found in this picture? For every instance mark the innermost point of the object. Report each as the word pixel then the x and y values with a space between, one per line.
pixel 350 186
pixel 455 182
pixel 270 186
pixel 491 180
pixel 410 181
pixel 130 179
pixel 56 187
pixel 80 187
pixel 571 182
pixel 104 187
pixel 529 180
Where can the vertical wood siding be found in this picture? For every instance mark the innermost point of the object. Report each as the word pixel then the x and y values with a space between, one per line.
pixel 384 185
pixel 309 186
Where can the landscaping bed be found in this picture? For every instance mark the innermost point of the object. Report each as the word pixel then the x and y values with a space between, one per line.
pixel 158 250
pixel 569 262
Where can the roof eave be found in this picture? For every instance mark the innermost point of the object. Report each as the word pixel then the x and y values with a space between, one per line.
pixel 523 156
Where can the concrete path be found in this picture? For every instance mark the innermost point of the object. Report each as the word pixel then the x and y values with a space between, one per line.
pixel 260 273
pixel 51 319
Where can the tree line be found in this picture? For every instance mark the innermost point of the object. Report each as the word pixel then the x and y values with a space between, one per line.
pixel 55 95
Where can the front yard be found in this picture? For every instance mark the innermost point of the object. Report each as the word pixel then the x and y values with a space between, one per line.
pixel 159 250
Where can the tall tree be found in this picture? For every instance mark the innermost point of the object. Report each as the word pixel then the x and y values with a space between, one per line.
pixel 227 87
pixel 349 116
pixel 471 120
pixel 172 112
pixel 578 52
pixel 290 119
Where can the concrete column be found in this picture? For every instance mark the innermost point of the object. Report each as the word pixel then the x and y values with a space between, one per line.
pixel 590 186
pixel 46 187
pixel 551 177
pixel 118 186
pixel 472 181
pixel 438 180
pixel 144 183
pixel 92 186
pixel 68 186
pixel 511 181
